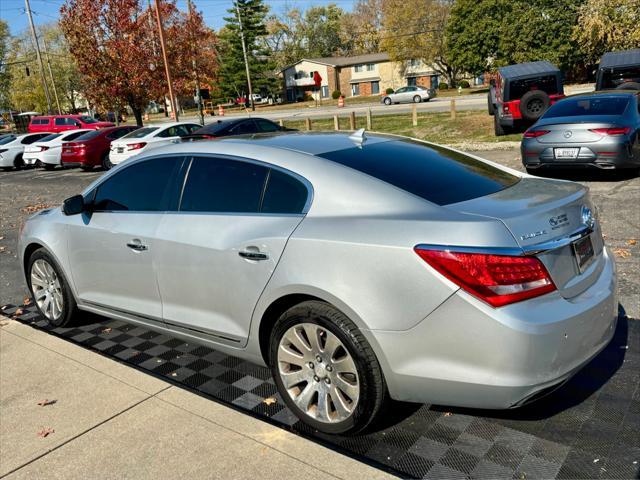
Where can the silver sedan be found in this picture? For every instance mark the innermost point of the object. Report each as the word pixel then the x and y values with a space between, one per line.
pixel 357 267
pixel 411 94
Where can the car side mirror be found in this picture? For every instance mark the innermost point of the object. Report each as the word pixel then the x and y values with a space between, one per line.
pixel 73 205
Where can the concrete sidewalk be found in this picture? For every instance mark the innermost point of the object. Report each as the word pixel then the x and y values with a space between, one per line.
pixel 112 421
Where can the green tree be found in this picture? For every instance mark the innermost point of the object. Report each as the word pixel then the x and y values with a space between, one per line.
pixel 361 29
pixel 321 30
pixel 232 74
pixel 5 78
pixel 415 30
pixel 604 26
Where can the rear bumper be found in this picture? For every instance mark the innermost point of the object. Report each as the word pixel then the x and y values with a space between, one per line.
pixel 618 155
pixel 468 354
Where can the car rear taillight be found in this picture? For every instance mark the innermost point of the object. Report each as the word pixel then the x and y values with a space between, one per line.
pixel 136 146
pixel 535 133
pixel 496 279
pixel 611 131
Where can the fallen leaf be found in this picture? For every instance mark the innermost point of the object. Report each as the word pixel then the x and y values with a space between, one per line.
pixel 4 307
pixel 26 301
pixel 1 238
pixel 269 401
pixel 18 312
pixel 106 330
pixel 622 252
pixel 596 460
pixel 45 402
pixel 174 374
pixel 45 431
pixel 631 242
pixel 36 208
pixel 447 414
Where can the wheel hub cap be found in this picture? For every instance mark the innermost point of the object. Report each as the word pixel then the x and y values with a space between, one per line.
pixel 46 289
pixel 318 373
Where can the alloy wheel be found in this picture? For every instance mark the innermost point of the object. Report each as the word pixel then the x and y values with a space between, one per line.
pixel 47 289
pixel 318 373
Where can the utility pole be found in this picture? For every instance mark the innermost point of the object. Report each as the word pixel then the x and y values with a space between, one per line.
pixel 35 43
pixel 53 83
pixel 244 53
pixel 195 66
pixel 174 104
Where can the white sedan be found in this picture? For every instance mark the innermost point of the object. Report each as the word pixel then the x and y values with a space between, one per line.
pixel 12 148
pixel 48 150
pixel 146 138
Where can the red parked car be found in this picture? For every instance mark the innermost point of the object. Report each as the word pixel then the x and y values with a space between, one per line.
pixel 61 123
pixel 92 148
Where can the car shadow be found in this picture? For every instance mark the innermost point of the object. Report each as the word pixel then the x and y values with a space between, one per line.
pixel 588 174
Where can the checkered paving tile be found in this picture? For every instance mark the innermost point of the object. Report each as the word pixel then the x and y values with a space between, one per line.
pixel 590 428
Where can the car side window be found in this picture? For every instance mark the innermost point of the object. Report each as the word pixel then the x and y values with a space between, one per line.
pixel 267 126
pixel 192 128
pixel 118 133
pixel 33 138
pixel 401 90
pixel 73 136
pixel 60 121
pixel 141 187
pixel 169 132
pixel 220 185
pixel 284 194
pixel 244 128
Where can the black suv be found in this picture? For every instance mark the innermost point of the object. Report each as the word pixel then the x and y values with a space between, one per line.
pixel 521 93
pixel 619 70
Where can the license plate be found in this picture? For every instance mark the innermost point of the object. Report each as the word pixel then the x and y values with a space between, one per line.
pixel 120 149
pixel 583 251
pixel 566 152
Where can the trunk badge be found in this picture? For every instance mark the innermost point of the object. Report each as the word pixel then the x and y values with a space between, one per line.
pixel 568 134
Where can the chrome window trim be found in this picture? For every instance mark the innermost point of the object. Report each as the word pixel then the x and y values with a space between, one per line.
pixel 529 250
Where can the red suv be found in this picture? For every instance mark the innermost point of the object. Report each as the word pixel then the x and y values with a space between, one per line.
pixel 61 123
pixel 92 148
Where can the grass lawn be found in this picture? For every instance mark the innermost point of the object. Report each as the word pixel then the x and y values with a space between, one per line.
pixel 467 127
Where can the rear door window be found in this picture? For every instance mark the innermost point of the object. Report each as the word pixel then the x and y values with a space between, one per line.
pixel 267 126
pixel 220 185
pixel 244 128
pixel 284 194
pixel 433 173
pixel 73 136
pixel 141 187
pixel 29 139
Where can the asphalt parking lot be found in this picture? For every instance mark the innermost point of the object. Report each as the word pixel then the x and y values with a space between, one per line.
pixel 616 196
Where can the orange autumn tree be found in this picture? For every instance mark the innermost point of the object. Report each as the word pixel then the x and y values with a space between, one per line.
pixel 116 46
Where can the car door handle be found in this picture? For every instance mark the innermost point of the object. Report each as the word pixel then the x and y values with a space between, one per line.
pixel 253 255
pixel 137 245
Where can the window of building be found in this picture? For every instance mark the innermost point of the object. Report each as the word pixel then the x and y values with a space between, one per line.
pixel 371 67
pixel 359 68
pixel 375 88
pixel 414 63
pixel 325 92
pixel 355 89
pixel 411 81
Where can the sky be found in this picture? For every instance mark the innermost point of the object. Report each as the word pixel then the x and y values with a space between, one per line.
pixel 45 11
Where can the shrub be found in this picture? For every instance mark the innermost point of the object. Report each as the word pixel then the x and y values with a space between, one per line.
pixel 443 86
pixel 336 94
pixel 389 91
pixel 464 84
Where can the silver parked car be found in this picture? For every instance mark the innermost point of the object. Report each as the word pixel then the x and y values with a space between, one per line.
pixel 593 130
pixel 411 94
pixel 355 267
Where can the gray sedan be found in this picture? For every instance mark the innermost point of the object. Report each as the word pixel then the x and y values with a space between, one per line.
pixel 357 267
pixel 412 94
pixel 594 130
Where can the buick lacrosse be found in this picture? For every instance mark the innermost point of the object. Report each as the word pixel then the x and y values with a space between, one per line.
pixel 357 267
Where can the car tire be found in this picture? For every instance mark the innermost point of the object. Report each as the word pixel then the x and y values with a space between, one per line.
pixel 490 106
pixel 498 128
pixel 48 166
pixel 50 289
pixel 18 163
pixel 361 375
pixel 417 99
pixel 105 162
pixel 387 101
pixel 533 104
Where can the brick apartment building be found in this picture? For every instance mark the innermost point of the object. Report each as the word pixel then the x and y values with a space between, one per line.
pixel 363 75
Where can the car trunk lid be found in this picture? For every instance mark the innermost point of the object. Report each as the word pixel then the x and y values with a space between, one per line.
pixel 566 130
pixel 542 215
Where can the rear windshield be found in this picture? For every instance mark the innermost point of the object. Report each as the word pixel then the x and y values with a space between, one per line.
pixel 48 138
pixel 215 128
pixel 433 173
pixel 571 107
pixel 141 132
pixel 7 139
pixel 613 78
pixel 548 84
pixel 87 119
pixel 90 135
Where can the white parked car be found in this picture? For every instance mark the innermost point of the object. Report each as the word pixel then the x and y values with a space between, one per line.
pixel 146 138
pixel 48 150
pixel 12 148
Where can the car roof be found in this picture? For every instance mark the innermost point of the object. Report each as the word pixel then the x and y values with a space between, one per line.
pixel 614 92
pixel 168 124
pixel 529 69
pixel 620 59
